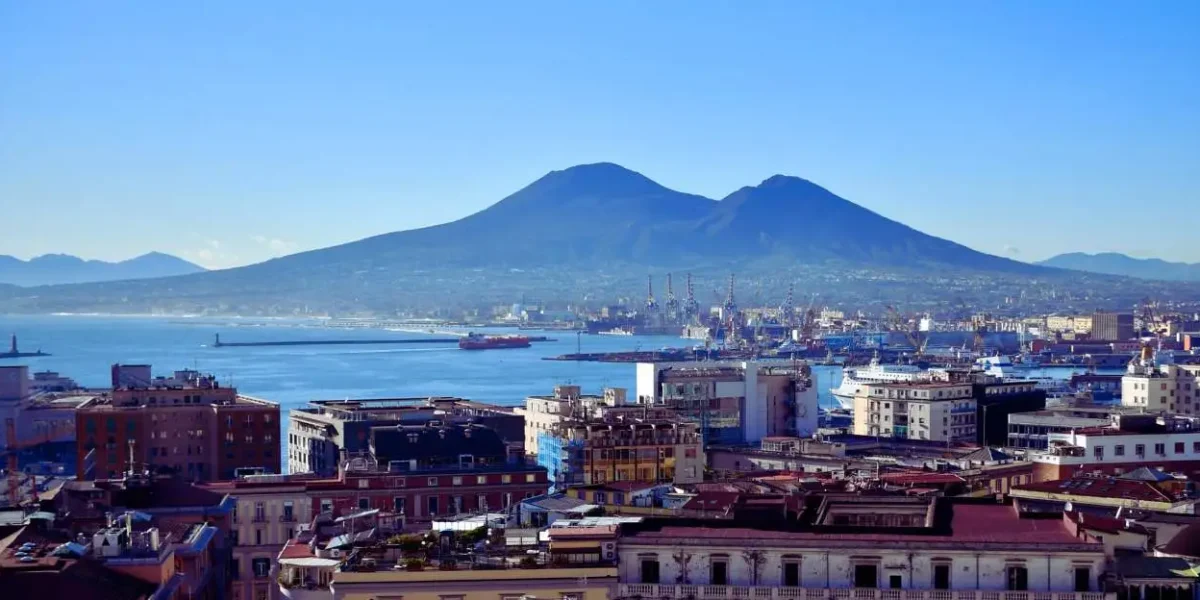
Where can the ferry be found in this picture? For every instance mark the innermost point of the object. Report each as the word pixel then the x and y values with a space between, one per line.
pixel 615 331
pixel 1003 368
pixel 855 378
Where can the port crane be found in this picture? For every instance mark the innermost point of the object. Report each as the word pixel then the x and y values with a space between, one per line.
pixel 691 308
pixel 672 302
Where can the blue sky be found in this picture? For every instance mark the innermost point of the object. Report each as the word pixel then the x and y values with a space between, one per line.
pixel 231 132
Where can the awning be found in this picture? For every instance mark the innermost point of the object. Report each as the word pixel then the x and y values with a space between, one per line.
pixel 309 561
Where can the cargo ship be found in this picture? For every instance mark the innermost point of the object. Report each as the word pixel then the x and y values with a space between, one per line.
pixel 478 341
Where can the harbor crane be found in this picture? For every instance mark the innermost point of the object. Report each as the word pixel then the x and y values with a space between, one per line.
pixel 672 302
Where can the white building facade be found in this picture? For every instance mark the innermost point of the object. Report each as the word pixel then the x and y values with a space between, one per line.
pixel 943 412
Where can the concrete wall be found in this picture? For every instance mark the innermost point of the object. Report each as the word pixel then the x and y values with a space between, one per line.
pixel 822 568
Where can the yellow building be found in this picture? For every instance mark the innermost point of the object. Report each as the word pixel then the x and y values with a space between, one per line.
pixel 583 583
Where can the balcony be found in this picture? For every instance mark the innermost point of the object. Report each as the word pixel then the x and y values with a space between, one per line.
pixel 712 592
pixel 287 518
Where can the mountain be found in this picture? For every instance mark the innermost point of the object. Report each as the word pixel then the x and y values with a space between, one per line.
pixel 590 230
pixel 1113 263
pixel 51 269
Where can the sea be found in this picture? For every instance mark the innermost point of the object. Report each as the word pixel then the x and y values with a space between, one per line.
pixel 85 347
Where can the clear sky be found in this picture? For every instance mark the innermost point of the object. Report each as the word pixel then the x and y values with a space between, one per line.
pixel 230 132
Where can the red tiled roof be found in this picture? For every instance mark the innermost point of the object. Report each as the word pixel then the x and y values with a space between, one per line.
pixel 713 501
pixel 971 525
pixel 1100 487
pixel 294 549
pixel 919 478
pixel 1105 523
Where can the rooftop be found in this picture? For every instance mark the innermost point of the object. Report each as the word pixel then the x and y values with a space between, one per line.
pixel 1103 487
pixel 955 524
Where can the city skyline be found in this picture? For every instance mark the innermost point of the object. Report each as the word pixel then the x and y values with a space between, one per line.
pixel 228 135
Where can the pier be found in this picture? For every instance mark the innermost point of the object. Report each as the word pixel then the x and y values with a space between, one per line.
pixel 217 343
pixel 15 352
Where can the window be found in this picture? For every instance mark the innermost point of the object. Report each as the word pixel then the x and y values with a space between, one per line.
pixel 1196 447
pixel 481 502
pixel 1179 448
pixel 941 577
pixel 288 511
pixel 1099 452
pixel 398 505
pixel 1018 579
pixel 1119 450
pixel 650 570
pixel 719 572
pixel 1160 449
pixel 364 503
pixel 481 479
pixel 456 481
pixel 506 479
pixel 895 582
pixel 865 576
pixel 262 567
pixel 791 573
pixel 257 537
pixel 260 512
pixel 531 478
pixel 326 505
pixel 1139 450
pixel 1083 579
pixel 431 481
pixel 433 505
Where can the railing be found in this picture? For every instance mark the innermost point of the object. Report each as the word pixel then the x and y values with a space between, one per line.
pixel 649 591
pixel 287 518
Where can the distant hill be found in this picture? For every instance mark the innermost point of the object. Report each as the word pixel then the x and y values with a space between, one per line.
pixel 595 228
pixel 1113 263
pixel 52 269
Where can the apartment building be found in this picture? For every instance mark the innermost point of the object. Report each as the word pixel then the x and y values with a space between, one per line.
pixel 862 547
pixel 1112 326
pixel 1161 388
pixel 322 434
pixel 592 451
pixel 268 511
pixel 734 401
pixel 942 412
pixel 1164 443
pixel 186 424
pixel 543 413
pixel 422 472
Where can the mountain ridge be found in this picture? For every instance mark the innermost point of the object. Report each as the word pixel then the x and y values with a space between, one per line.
pixel 58 268
pixel 1115 263
pixel 580 228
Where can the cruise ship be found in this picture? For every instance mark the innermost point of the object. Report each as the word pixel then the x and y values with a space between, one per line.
pixel 855 377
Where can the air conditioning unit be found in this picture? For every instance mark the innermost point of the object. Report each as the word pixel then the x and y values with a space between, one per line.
pixel 335 553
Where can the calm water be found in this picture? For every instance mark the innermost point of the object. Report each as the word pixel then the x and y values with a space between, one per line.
pixel 84 348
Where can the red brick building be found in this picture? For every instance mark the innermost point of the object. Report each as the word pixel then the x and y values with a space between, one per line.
pixel 186 424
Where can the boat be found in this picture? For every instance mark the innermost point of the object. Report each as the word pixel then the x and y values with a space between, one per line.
pixel 854 378
pixel 1002 368
pixel 478 341
pixel 615 331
